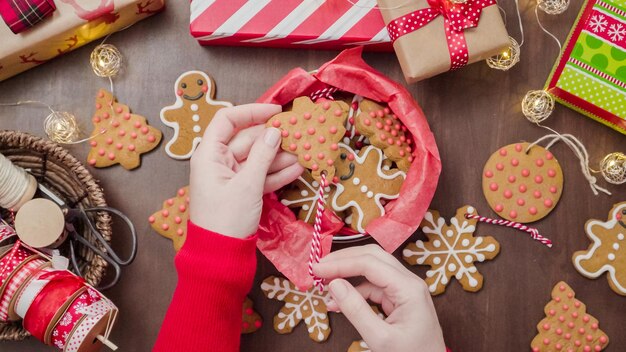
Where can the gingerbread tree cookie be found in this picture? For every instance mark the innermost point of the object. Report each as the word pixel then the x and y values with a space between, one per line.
pixel 304 195
pixel 309 306
pixel 522 184
pixel 451 251
pixel 607 253
pixel 171 221
pixel 119 137
pixel 251 321
pixel 191 113
pixel 384 130
pixel 362 185
pixel 312 131
pixel 567 326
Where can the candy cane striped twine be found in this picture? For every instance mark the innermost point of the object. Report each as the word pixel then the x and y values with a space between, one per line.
pixel 316 241
pixel 534 233
pixel 326 93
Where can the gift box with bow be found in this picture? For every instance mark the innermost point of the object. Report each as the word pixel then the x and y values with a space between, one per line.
pixel 435 36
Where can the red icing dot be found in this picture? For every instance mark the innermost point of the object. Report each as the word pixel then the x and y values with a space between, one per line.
pixel 133 135
pixel 144 130
pixel 372 114
pixel 570 325
pixel 532 211
pixel 98 106
pixel 106 115
pixel 536 349
pixel 93 143
pixel 589 338
pixel 499 166
pixel 307 157
pixel 383 136
pixel 603 339
pixel 539 162
pixel 577 343
pixel 131 147
pixel 565 307
pixel 333 129
pixel 257 323
pixel 503 152
pixel 598 348
pixel 96 119
pixel 351 157
pixel 410 159
pixel 178 220
pixel 182 208
pixel 499 208
pixel 276 123
pixel 548 203
pixel 514 162
pixel 558 346
pixel 587 349
pixel 522 188
pixel 181 192
pixel 165 213
pixel 338 112
pixel 390 141
pixel 397 127
pixel 320 156
pixel 109 141
pixel 180 92
pixel 334 146
pixel 546 341
pixel 508 194
pixel 310 130
pixel 394 133
pixel 151 138
pixel 562 288
pixel 402 138
pixel 379 125
pixel 367 122
pixel 284 133
pixel 165 227
pixel 330 162
pixel 513 214
pixel 386 128
pixel 293 147
pixel 119 146
pixel 568 336
pixel 315 167
pixel 297 135
pixel 546 326
pixel 518 147
pixel 380 113
pixel 119 109
pixel 111 156
pixel 577 304
pixel 549 156
pixel 538 179
pixel 326 105
pixel 307 146
pixel 552 312
pixel 570 295
pixel 493 186
pixel 180 232
pixel 249 311
pixel 512 179
pixel 335 179
pixel 488 174
pixel 402 153
pixel 594 326
pixel 321 119
pixel 559 331
pixel 307 116
pixel 137 124
pixel 521 202
pixel 557 299
pixel 525 172
pixel 121 133
pixel 537 194
pixel 321 139
pixel 126 116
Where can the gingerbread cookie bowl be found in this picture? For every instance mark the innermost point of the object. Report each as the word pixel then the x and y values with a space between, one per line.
pixel 362 148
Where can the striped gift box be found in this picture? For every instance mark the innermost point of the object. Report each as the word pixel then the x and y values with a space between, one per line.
pixel 590 75
pixel 319 24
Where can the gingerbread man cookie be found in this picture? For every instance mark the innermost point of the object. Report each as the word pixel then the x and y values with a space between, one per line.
pixel 385 131
pixel 304 195
pixel 607 253
pixel 312 131
pixel 251 320
pixel 119 137
pixel 567 326
pixel 362 185
pixel 451 251
pixel 191 114
pixel 309 306
pixel 522 184
pixel 171 221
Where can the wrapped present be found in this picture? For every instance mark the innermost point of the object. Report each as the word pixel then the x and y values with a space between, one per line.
pixel 590 74
pixel 435 36
pixel 319 24
pixel 73 24
pixel 284 239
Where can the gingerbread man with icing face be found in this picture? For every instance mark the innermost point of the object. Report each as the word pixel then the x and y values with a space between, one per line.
pixel 607 253
pixel 191 114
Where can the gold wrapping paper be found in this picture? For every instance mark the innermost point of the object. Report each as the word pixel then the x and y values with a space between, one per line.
pixel 424 52
pixel 74 24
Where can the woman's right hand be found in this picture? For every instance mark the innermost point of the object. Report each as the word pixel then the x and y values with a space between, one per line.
pixel 411 321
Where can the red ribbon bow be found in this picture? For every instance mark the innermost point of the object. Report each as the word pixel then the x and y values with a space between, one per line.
pixel 456 17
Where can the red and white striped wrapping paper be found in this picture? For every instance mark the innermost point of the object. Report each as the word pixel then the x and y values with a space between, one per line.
pixel 312 24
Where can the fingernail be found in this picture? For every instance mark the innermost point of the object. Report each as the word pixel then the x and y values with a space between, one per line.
pixel 338 289
pixel 272 137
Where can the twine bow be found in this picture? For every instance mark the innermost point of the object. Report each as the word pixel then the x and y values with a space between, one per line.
pixel 457 18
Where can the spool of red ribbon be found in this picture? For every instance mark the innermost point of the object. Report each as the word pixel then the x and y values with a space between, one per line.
pixel 21 15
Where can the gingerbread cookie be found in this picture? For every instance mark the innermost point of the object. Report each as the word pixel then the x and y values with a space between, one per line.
pixel 251 320
pixel 385 131
pixel 304 195
pixel 312 131
pixel 567 326
pixel 362 185
pixel 309 306
pixel 522 184
pixel 191 114
pixel 607 253
pixel 119 137
pixel 451 251
pixel 171 221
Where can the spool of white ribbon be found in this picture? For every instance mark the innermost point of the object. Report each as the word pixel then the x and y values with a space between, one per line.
pixel 30 292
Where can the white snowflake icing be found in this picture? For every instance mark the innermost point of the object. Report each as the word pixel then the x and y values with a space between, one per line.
pixel 598 23
pixel 296 304
pixel 617 32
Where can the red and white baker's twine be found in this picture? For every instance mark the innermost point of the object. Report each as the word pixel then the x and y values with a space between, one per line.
pixel 534 233
pixel 326 93
pixel 316 241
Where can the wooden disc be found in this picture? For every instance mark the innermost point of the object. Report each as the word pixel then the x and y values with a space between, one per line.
pixel 522 184
pixel 91 342
pixel 39 223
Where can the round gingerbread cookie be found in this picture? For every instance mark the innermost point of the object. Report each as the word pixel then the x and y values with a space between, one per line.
pixel 522 184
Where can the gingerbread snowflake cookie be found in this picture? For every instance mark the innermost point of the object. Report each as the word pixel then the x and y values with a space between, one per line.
pixel 309 306
pixel 304 195
pixel 384 130
pixel 567 325
pixel 607 252
pixel 363 184
pixel 171 221
pixel 119 137
pixel 522 184
pixel 451 251
pixel 191 113
pixel 312 131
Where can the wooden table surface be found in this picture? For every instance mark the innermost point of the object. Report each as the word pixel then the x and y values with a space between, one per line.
pixel 471 112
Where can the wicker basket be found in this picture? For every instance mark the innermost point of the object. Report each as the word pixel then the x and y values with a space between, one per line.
pixel 54 167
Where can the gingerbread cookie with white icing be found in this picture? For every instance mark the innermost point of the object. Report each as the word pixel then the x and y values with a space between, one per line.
pixel 119 136
pixel 607 252
pixel 362 185
pixel 312 131
pixel 304 195
pixel 522 183
pixel 385 131
pixel 191 113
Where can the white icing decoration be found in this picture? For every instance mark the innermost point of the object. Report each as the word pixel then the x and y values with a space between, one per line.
pixel 306 207
pixel 346 140
pixel 356 181
pixel 194 107
pixel 470 210
pixel 195 117
pixel 453 254
pixel 303 193
pixel 616 246
pixel 612 224
pixel 178 105
pixel 197 128
pixel 376 196
pixel 364 188
pixel 370 194
pixel 309 197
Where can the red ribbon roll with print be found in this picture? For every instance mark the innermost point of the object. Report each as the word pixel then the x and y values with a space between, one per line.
pixel 15 283
pixel 20 15
pixel 50 300
pixel 13 259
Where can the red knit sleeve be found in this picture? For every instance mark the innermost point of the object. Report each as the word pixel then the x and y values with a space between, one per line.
pixel 215 273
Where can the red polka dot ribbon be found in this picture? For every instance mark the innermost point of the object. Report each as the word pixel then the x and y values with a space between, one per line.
pixel 65 326
pixel 457 18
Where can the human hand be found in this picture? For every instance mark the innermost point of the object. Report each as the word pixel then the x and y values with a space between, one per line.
pixel 235 164
pixel 411 321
